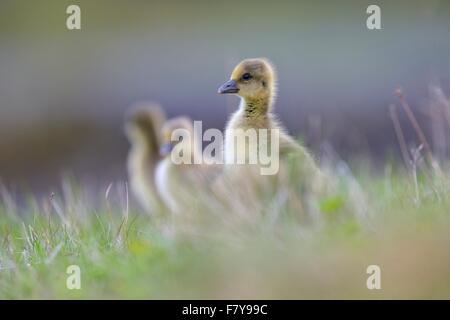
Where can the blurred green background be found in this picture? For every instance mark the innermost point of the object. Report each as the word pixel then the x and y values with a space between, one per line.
pixel 63 94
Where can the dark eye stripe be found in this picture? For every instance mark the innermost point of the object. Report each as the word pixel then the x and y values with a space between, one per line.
pixel 247 76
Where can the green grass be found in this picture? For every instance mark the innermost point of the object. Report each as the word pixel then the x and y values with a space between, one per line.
pixel 125 254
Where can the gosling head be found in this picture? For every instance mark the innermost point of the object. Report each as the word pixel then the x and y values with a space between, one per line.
pixel 140 124
pixel 184 123
pixel 251 79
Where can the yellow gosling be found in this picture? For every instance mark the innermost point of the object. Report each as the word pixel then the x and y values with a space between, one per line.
pixel 254 81
pixel 143 127
pixel 183 186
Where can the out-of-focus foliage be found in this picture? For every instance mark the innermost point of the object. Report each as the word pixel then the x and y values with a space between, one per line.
pixel 124 254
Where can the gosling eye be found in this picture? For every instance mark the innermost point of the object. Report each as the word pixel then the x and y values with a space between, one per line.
pixel 247 76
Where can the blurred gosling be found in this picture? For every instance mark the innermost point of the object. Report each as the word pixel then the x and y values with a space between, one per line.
pixel 143 129
pixel 182 186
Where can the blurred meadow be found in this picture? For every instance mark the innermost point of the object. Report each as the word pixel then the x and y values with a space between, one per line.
pixel 64 195
pixel 123 254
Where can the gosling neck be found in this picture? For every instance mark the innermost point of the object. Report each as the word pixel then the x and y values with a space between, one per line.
pixel 256 107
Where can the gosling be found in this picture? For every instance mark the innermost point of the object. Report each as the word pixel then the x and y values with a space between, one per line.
pixel 143 130
pixel 182 184
pixel 254 81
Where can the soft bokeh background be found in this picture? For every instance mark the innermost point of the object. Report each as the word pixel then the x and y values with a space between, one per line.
pixel 63 94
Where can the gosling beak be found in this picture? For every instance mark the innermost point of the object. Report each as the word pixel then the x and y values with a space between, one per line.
pixel 165 149
pixel 229 87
